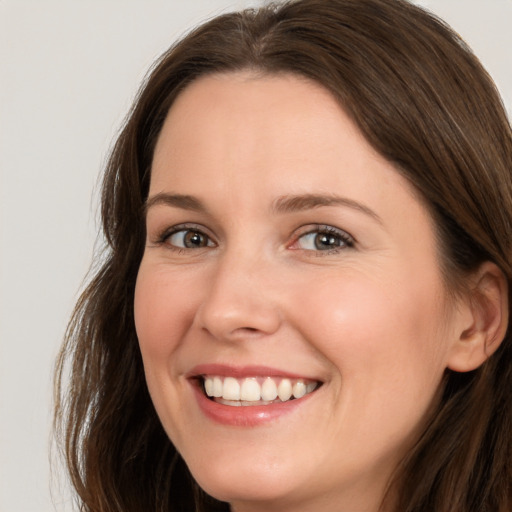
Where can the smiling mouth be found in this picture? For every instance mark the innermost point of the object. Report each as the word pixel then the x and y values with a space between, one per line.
pixel 251 391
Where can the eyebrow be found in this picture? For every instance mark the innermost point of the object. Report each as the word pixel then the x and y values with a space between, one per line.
pixel 296 203
pixel 283 204
pixel 185 202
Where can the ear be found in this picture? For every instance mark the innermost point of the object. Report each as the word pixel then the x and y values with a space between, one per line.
pixel 482 319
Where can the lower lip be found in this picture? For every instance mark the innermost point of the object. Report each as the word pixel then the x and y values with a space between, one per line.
pixel 248 415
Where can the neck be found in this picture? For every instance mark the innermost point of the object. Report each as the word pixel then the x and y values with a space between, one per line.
pixel 336 502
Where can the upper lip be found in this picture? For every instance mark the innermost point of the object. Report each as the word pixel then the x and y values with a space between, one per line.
pixel 224 370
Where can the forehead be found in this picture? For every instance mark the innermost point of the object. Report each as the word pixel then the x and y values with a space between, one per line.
pixel 254 138
pixel 282 123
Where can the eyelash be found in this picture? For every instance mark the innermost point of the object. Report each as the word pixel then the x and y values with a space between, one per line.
pixel 164 237
pixel 341 237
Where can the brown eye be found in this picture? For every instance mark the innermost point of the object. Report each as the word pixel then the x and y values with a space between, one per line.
pixel 189 239
pixel 324 239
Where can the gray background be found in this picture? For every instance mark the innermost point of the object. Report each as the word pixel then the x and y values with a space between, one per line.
pixel 68 73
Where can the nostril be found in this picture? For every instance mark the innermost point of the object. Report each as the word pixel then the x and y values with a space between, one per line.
pixel 250 332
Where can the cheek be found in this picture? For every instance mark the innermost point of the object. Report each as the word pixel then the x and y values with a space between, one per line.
pixel 386 331
pixel 163 314
pixel 162 311
pixel 386 352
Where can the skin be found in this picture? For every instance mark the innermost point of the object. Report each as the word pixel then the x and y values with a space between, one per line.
pixel 371 319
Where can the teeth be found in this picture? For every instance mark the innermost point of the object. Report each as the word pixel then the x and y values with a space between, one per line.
pixel 284 390
pixel 268 389
pixel 254 390
pixel 217 387
pixel 250 390
pixel 208 387
pixel 231 389
pixel 299 389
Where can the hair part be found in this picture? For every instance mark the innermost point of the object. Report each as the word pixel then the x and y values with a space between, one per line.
pixel 424 102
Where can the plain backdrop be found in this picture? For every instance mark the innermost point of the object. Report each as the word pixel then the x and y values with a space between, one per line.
pixel 68 72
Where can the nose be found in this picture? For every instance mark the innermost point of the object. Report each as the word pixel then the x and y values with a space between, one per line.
pixel 240 300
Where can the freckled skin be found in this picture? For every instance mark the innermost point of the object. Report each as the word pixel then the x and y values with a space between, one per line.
pixel 371 319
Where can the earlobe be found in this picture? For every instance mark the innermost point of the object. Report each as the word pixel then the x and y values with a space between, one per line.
pixel 483 319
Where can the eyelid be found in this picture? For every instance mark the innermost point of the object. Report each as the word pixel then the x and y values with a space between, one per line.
pixel 348 240
pixel 163 235
pixel 346 237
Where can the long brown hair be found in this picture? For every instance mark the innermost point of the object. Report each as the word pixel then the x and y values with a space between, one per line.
pixel 423 100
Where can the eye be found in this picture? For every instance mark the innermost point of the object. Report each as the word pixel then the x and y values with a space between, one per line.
pixel 324 238
pixel 188 239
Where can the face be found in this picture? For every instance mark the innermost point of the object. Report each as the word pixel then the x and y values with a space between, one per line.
pixel 291 313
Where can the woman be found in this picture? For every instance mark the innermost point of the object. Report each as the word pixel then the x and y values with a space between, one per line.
pixel 305 297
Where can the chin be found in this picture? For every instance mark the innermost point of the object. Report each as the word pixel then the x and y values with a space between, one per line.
pixel 251 481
